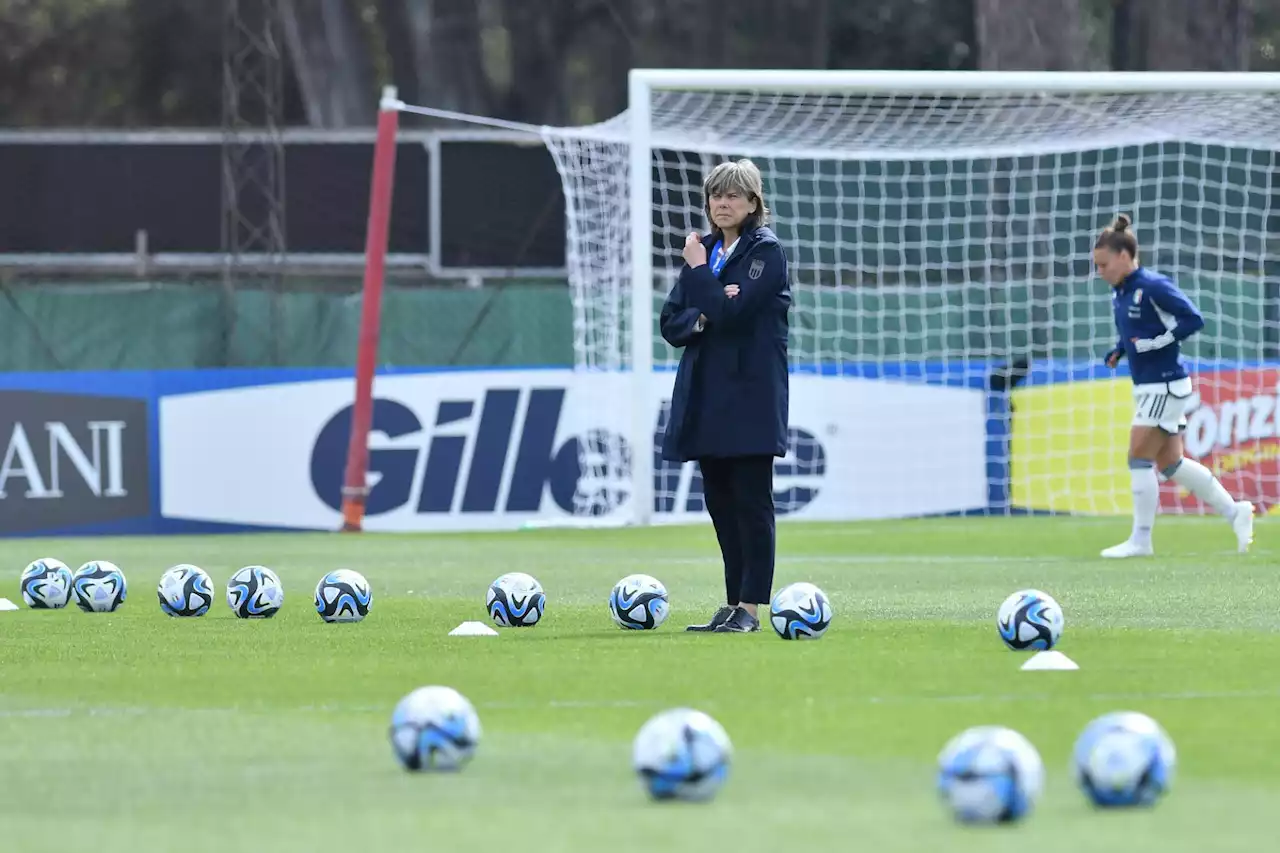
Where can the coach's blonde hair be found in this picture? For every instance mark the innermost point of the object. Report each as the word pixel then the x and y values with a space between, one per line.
pixel 741 176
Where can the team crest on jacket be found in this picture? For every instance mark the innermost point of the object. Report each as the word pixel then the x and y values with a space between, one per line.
pixel 1137 296
pixel 754 271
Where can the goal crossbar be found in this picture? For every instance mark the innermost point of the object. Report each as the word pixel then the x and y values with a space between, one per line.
pixel 809 81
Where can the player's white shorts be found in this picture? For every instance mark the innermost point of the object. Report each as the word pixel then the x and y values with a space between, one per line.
pixel 1163 404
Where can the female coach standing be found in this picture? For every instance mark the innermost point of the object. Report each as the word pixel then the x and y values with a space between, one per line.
pixel 728 311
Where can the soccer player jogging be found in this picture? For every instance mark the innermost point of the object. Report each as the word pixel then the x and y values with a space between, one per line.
pixel 1153 318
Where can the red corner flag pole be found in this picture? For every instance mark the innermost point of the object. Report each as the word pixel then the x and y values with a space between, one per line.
pixel 355 488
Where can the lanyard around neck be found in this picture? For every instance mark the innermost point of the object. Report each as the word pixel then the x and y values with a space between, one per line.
pixel 720 255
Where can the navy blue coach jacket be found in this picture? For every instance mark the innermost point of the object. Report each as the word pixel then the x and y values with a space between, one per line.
pixel 731 390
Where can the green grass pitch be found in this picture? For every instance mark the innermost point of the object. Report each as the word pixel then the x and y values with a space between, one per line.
pixel 137 732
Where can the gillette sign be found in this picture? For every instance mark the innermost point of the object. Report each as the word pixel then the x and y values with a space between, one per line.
pixel 494 450
pixel 515 460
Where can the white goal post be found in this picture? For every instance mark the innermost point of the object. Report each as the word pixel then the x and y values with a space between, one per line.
pixel 947 327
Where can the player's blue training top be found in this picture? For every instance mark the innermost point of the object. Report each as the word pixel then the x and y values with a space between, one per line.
pixel 1153 317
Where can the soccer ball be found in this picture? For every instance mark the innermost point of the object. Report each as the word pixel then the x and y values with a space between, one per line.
pixel 434 728
pixel 255 592
pixel 343 596
pixel 682 754
pixel 1030 619
pixel 99 587
pixel 1124 759
pixel 800 611
pixel 515 600
pixel 185 590
pixel 46 584
pixel 990 774
pixel 639 602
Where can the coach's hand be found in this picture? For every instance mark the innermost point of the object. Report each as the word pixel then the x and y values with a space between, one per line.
pixel 732 290
pixel 1113 358
pixel 695 254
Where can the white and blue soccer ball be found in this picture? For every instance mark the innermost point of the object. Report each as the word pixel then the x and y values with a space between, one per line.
pixel 515 600
pixel 1030 620
pixel 639 602
pixel 99 587
pixel 343 596
pixel 990 774
pixel 46 584
pixel 682 754
pixel 800 611
pixel 255 592
pixel 434 729
pixel 185 590
pixel 1124 759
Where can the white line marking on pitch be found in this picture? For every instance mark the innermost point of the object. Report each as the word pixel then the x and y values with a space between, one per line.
pixel 613 704
pixel 593 561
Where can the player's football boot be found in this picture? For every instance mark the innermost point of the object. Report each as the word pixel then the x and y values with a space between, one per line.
pixel 716 621
pixel 1242 524
pixel 1127 548
pixel 739 622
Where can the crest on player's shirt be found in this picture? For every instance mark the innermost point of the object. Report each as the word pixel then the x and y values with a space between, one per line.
pixel 1137 296
pixel 754 271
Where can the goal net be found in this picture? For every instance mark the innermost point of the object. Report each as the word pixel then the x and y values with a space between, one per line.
pixel 947 326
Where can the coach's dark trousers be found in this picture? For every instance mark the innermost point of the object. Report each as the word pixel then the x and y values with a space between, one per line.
pixel 738 491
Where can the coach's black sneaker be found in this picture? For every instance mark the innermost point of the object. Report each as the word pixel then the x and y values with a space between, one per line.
pixel 722 615
pixel 739 622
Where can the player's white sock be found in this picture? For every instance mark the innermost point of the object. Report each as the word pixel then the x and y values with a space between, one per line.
pixel 1146 497
pixel 1199 480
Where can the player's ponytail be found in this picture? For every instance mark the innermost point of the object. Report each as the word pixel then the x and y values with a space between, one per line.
pixel 1117 237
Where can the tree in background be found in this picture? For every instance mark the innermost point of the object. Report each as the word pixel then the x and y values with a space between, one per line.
pixel 1182 35
pixel 1026 35
pixel 158 62
pixel 331 61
